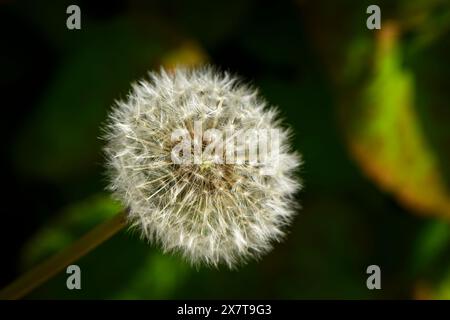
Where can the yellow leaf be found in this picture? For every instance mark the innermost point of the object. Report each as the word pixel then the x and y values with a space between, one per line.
pixel 188 54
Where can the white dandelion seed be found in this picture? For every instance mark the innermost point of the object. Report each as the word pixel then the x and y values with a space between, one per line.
pixel 211 212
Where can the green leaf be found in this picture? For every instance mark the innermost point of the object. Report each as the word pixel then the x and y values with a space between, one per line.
pixel 432 243
pixel 122 267
pixel 386 137
pixel 73 222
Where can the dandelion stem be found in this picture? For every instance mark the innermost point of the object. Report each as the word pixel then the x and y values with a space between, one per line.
pixel 52 266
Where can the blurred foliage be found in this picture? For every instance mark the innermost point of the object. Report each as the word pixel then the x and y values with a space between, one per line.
pixel 370 115
pixel 71 223
pixel 378 93
pixel 386 138
pixel 140 268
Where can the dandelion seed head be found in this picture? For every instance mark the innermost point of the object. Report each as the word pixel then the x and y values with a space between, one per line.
pixel 211 212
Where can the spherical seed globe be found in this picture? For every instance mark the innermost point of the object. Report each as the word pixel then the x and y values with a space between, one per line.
pixel 210 210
